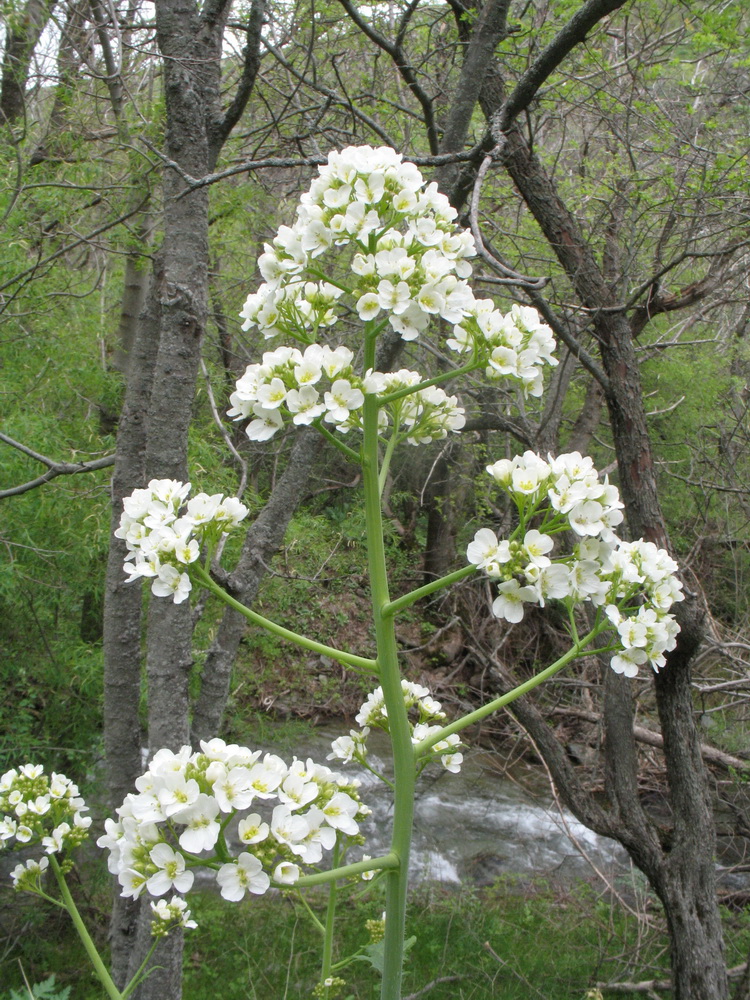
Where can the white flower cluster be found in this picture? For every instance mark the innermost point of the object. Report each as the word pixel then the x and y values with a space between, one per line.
pixel 515 344
pixel 373 713
pixel 176 820
pixel 320 382
pixel 36 808
pixel 409 263
pixel 423 415
pixel 633 581
pixel 287 377
pixel 162 541
pixel 168 915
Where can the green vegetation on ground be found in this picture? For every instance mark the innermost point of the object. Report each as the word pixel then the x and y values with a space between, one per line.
pixel 519 940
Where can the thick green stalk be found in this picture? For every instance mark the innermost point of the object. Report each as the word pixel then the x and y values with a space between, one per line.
pixel 492 706
pixel 400 603
pixel 350 659
pixel 94 957
pixel 426 383
pixel 386 862
pixel 325 970
pixel 400 732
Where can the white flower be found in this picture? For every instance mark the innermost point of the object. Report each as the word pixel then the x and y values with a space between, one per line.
pixel 265 425
pixel 201 827
pixel 340 812
pixel 536 546
pixel 170 582
pixel 252 830
pixel 586 518
pixel 486 552
pixel 628 661
pixel 55 843
pixel 452 762
pixel 171 871
pixel 167 915
pixel 509 602
pixel 341 400
pixel 298 793
pixel 286 873
pixel 289 828
pixel 396 297
pixel 28 875
pixel 244 875
pixel 132 882
pixel 304 404
pixel 368 306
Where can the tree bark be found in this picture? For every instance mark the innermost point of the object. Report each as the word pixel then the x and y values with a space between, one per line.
pixel 56 141
pixel 190 42
pixel 261 543
pixel 23 33
pixel 686 886
pixel 123 737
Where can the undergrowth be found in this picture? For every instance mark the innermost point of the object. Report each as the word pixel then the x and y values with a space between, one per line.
pixel 517 940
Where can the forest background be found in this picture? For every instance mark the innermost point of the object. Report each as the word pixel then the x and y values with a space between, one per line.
pixel 600 149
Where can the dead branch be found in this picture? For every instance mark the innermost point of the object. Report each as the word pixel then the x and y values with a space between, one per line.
pixel 710 754
pixel 54 468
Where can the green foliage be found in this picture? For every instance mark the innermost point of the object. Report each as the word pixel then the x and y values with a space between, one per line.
pixel 269 947
pixel 46 990
pixel 700 434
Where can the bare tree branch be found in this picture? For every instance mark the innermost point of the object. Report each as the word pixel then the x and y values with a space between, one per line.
pixel 396 53
pixel 509 276
pixel 549 59
pixel 54 469
pixel 250 67
pixel 711 754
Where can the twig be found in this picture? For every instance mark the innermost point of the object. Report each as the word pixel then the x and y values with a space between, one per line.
pixel 509 276
pixel 648 736
pixel 501 961
pixel 54 468
pixel 649 986
pixel 432 984
pixel 224 433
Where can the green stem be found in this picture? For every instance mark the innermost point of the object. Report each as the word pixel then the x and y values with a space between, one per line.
pixel 139 976
pixel 393 607
pixel 317 273
pixel 311 915
pixel 378 775
pixel 371 336
pixel 94 957
pixel 387 457
pixel 404 777
pixel 350 453
pixel 387 863
pixel 444 377
pixel 505 699
pixel 350 659
pixel 325 970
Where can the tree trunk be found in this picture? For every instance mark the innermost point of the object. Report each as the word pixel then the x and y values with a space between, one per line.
pixel 23 33
pixel 681 871
pixel 689 899
pixel 123 737
pixel 260 545
pixel 58 136
pixel 191 67
pixel 190 42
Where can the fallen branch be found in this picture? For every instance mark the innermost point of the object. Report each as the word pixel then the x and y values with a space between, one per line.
pixel 648 736
pixel 431 985
pixel 650 986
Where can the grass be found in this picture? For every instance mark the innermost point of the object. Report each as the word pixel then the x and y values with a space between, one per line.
pixel 517 940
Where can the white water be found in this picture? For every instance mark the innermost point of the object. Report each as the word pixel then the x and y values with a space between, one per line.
pixel 477 825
